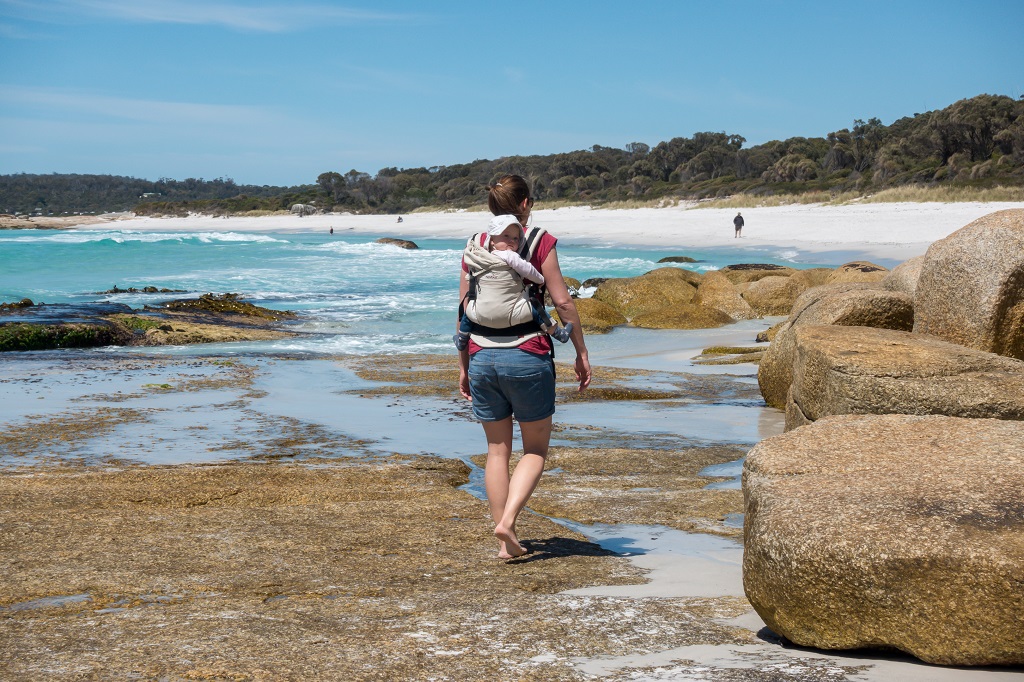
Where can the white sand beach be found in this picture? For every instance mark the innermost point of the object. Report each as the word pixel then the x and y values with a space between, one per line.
pixel 894 231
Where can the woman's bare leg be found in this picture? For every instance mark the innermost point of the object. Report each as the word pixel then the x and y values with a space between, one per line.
pixel 496 477
pixel 536 438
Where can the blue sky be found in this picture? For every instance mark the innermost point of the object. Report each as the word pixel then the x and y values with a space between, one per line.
pixel 278 92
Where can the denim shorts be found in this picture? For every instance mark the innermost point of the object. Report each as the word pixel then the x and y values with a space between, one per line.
pixel 509 381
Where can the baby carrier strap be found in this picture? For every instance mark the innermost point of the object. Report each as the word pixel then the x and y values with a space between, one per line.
pixel 531 241
pixel 527 248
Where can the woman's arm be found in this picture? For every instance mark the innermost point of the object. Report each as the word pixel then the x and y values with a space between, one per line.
pixel 463 354
pixel 567 313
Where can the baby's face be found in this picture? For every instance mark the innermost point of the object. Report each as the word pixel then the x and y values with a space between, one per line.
pixel 507 240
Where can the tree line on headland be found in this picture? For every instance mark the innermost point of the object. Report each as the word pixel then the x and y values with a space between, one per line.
pixel 973 143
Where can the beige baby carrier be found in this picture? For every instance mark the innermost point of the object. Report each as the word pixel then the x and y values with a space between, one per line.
pixel 498 300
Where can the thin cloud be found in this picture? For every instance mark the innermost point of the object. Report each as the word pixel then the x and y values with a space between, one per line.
pixel 271 18
pixel 13 32
pixel 396 81
pixel 55 100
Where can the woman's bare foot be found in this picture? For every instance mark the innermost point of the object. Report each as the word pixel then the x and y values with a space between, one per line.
pixel 510 543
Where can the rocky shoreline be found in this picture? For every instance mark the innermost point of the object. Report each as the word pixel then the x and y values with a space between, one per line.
pixel 380 569
pixel 212 318
pixel 309 556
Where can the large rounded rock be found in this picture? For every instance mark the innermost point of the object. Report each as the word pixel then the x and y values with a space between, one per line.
pixel 596 316
pixel 971 288
pixel 860 370
pixel 772 295
pixel 810 296
pixel 811 277
pixel 634 296
pixel 849 305
pixel 716 291
pixel 904 276
pixel 857 271
pixel 686 316
pixel 670 274
pixel 891 531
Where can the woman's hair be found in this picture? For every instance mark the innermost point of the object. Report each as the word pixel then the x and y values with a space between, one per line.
pixel 506 196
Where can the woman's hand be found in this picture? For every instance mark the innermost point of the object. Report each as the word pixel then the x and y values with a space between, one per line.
pixel 583 372
pixel 464 375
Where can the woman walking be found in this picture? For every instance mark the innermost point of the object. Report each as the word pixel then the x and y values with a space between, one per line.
pixel 511 375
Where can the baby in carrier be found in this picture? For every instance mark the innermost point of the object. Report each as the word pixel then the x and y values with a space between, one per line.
pixel 498 298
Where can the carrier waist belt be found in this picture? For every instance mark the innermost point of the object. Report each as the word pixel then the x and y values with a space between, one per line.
pixel 515 330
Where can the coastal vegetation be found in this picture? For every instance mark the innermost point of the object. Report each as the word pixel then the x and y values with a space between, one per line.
pixel 970 150
pixel 59 193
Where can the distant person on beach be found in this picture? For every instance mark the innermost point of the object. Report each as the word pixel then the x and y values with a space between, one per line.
pixel 510 374
pixel 497 293
pixel 399 218
pixel 332 230
pixel 737 222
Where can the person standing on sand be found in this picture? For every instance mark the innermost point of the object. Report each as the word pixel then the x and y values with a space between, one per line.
pixel 514 378
pixel 737 222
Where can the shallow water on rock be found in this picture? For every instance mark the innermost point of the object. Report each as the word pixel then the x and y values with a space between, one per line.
pixel 47 602
pixel 681 564
pixel 734 470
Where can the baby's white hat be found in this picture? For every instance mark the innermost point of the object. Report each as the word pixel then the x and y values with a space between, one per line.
pixel 500 222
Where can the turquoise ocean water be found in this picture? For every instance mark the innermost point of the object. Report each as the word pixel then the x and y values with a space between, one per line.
pixel 353 295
